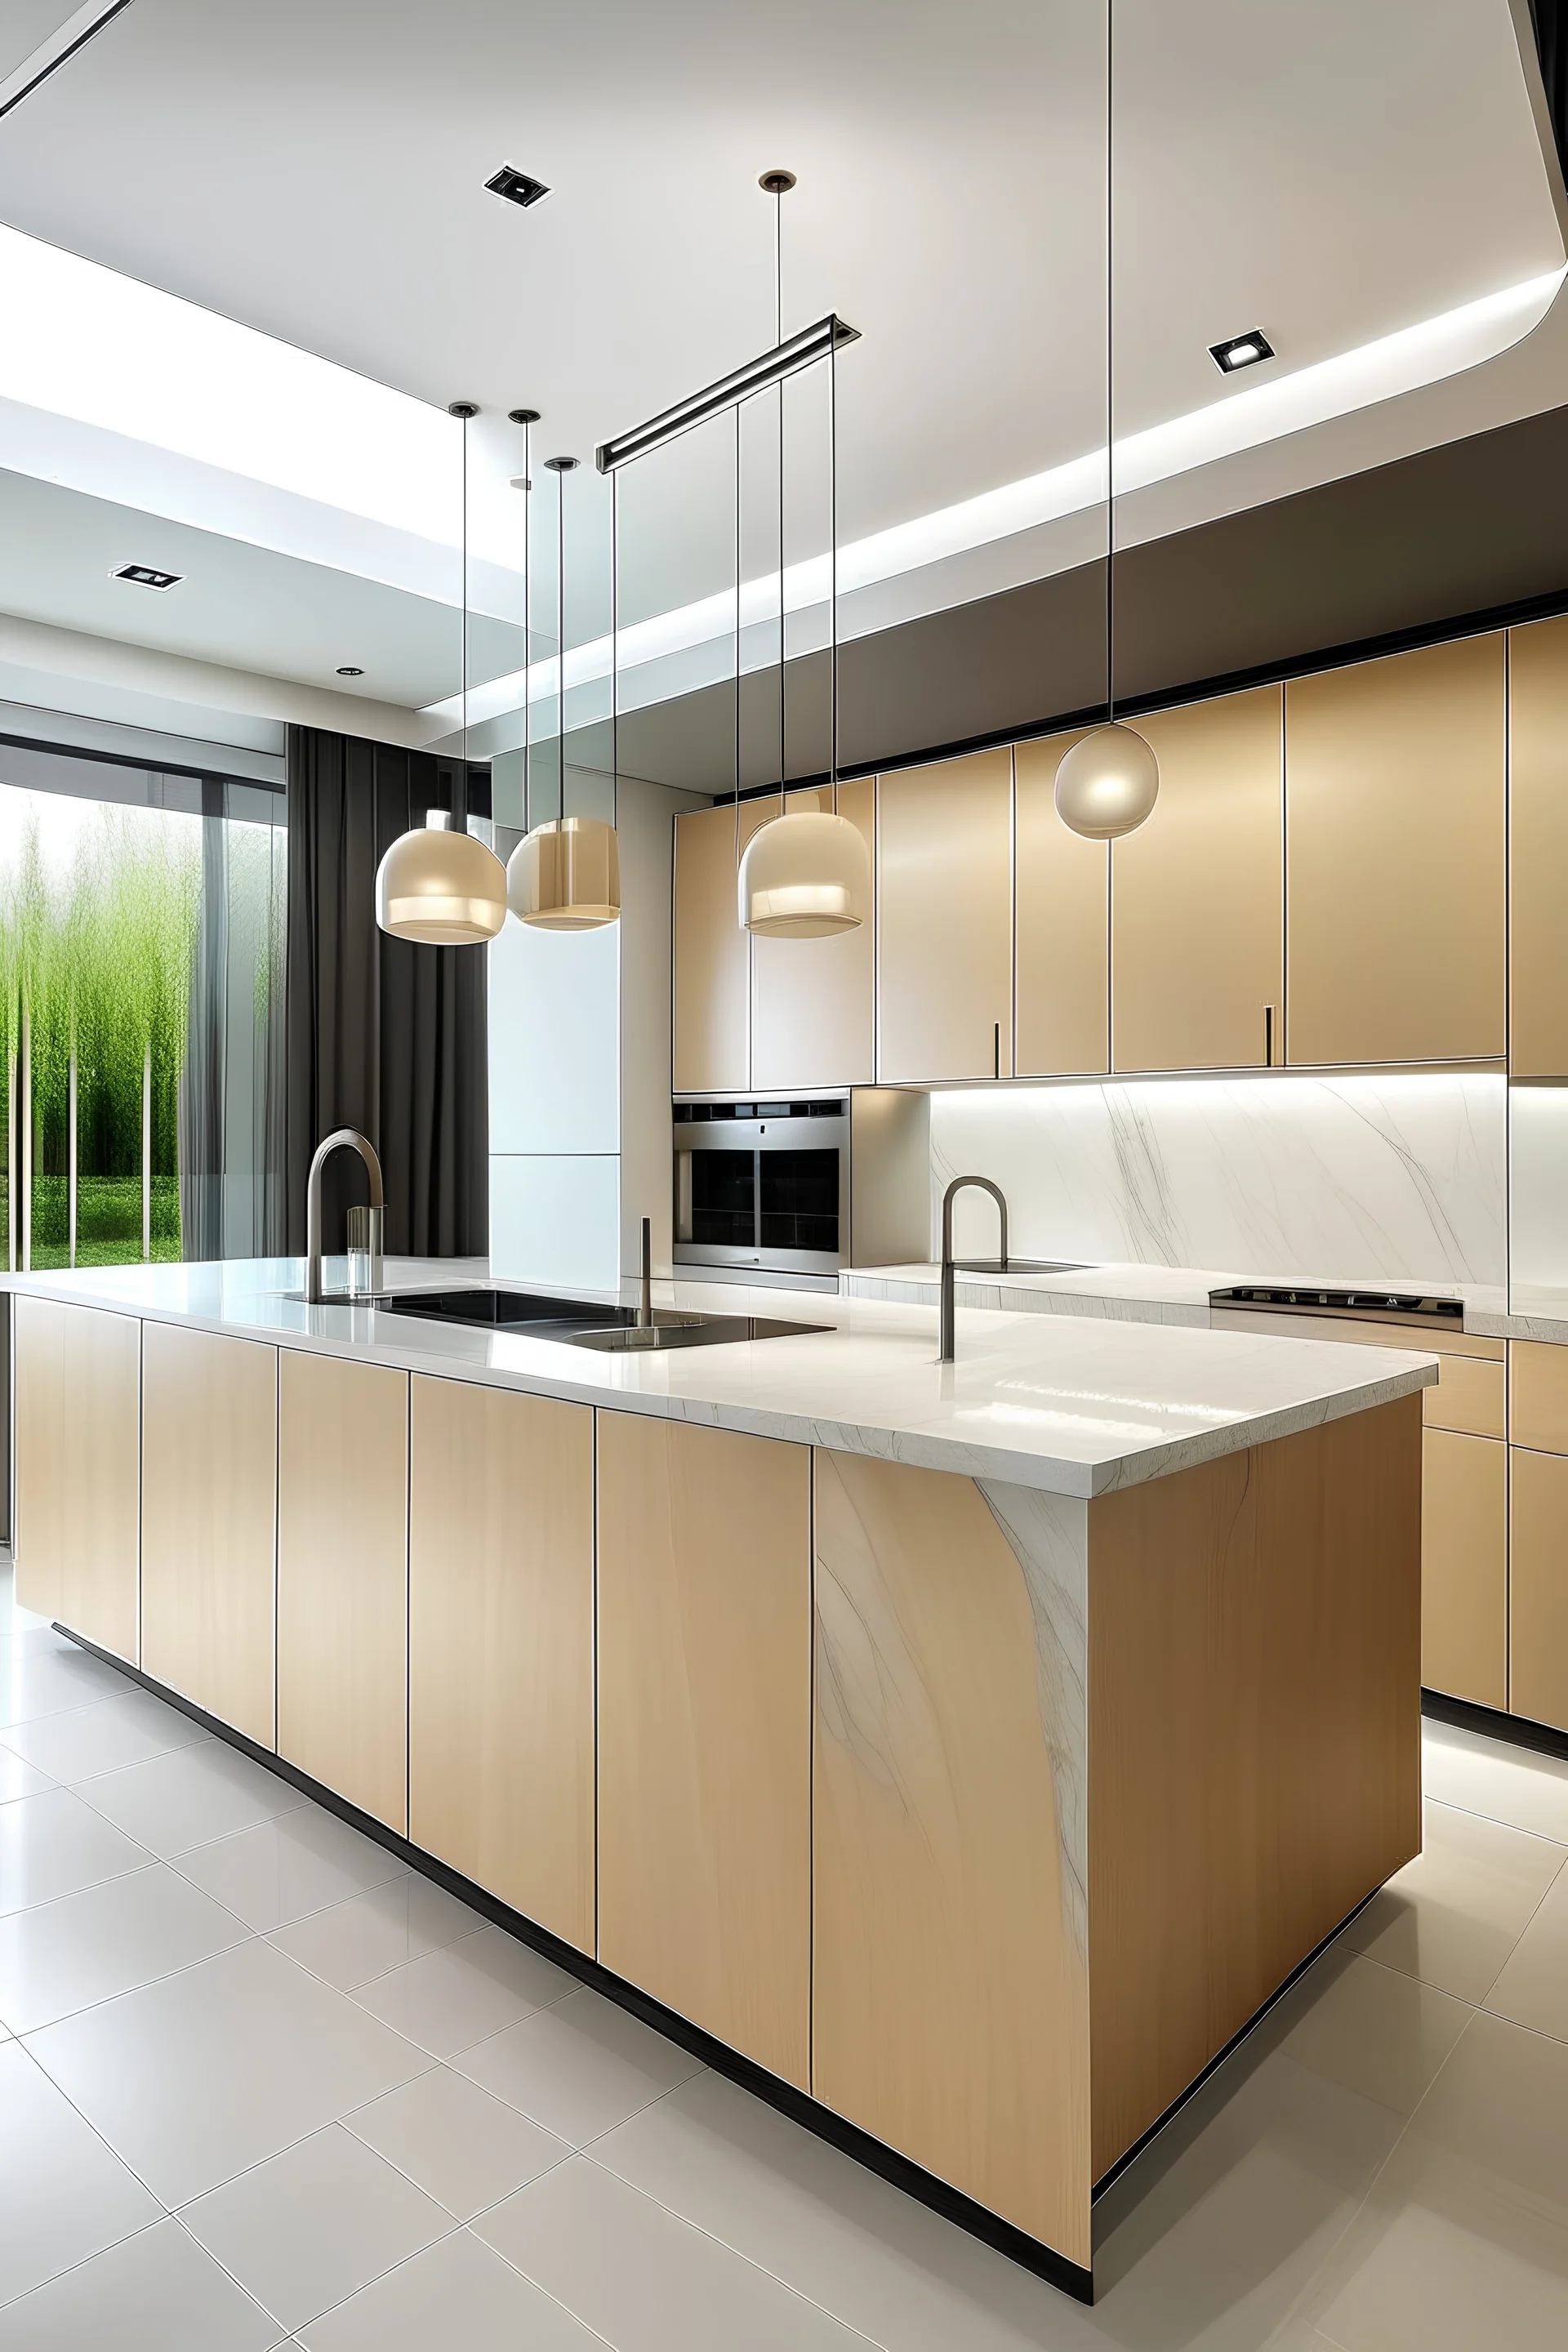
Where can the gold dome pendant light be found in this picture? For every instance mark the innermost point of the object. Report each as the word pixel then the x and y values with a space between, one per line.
pixel 1107 785
pixel 566 874
pixel 805 876
pixel 439 887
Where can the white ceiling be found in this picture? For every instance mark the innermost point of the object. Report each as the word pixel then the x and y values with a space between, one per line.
pixel 1331 173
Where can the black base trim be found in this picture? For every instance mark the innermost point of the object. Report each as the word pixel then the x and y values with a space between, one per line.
pixel 953 2206
pixel 1129 2156
pixel 1518 1730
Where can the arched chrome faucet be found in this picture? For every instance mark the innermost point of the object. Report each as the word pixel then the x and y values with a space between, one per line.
pixel 342 1139
pixel 948 1315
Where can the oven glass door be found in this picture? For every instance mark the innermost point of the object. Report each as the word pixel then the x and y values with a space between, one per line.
pixel 798 1200
pixel 724 1198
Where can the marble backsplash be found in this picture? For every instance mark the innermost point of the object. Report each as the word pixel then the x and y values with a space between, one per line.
pixel 1348 1179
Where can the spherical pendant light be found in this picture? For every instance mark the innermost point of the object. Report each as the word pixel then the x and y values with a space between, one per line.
pixel 805 877
pixel 445 889
pixel 1107 783
pixel 566 875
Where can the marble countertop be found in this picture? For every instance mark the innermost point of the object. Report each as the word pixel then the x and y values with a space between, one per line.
pixel 1075 1404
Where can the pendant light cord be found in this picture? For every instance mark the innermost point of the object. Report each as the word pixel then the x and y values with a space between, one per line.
pixel 833 568
pixel 737 634
pixel 527 618
pixel 778 337
pixel 465 623
pixel 614 650
pixel 561 649
pixel 1110 375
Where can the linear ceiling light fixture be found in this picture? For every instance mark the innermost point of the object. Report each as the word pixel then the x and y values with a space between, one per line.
pixel 1241 351
pixel 62 45
pixel 786 359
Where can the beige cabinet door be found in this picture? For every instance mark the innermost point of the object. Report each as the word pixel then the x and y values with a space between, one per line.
pixel 705 1729
pixel 1061 924
pixel 1394 824
pixel 1464 1566
pixel 1197 895
pixel 944 921
pixel 501 1655
pixel 1538 1616
pixel 1538 849
pixel 812 999
pixel 209 1482
pixel 712 1052
pixel 78 1412
pixel 343 1566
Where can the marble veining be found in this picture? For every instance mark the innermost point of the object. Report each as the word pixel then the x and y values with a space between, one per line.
pixel 1352 1178
pixel 1068 1404
pixel 1048 1534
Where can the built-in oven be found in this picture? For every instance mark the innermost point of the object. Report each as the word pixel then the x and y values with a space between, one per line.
pixel 763 1187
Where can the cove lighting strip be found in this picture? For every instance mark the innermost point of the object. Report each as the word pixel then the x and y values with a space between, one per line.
pixel 1236 420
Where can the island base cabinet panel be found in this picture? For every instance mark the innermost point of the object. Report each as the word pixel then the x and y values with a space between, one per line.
pixel 1464 1567
pixel 950 1995
pixel 209 1482
pixel 342 1570
pixel 77 1435
pixel 1254 1737
pixel 1538 1617
pixel 705 1729
pixel 500 1603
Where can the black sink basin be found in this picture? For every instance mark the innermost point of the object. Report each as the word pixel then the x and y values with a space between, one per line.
pixel 585 1323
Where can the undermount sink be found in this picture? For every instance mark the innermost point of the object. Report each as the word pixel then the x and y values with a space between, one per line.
pixel 1019 1266
pixel 586 1323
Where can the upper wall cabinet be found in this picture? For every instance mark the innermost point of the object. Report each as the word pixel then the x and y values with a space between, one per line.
pixel 811 999
pixel 1197 895
pixel 1538 849
pixel 712 954
pixel 1062 926
pixel 944 921
pixel 1395 798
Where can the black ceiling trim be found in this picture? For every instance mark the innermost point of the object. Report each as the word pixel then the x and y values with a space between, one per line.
pixel 1549 22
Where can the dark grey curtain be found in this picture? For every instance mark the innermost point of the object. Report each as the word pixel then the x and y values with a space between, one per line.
pixel 382 1035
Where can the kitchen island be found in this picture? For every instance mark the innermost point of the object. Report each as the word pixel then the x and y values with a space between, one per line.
pixel 962 1754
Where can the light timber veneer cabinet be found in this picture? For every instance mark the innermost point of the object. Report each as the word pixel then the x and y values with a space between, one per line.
pixel 1198 894
pixel 944 921
pixel 713 1042
pixel 1395 798
pixel 1538 849
pixel 1062 922
pixel 78 1393
pixel 812 999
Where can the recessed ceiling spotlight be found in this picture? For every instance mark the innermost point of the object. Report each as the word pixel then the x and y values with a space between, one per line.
pixel 349 670
pixel 146 576
pixel 516 187
pixel 1241 351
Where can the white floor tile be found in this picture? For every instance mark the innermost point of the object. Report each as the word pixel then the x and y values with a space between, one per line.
pixel 280 1869
pixel 63 2195
pixel 195 2078
pixel 103 1738
pixel 579 2067
pixel 458 2297
pixel 461 2146
pixel 155 2292
pixel 50 1680
pixel 62 1957
pixel 465 1992
pixel 1533 1987
pixel 1463 2242
pixel 378 1931
pixel 312 2226
pixel 1492 1777
pixel 19 1780
pixel 1453 1914
pixel 190 1796
pixel 644 2280
pixel 52 1845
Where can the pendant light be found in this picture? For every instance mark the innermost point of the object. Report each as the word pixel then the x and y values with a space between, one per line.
pixel 566 874
pixel 805 876
pixel 440 887
pixel 1107 785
